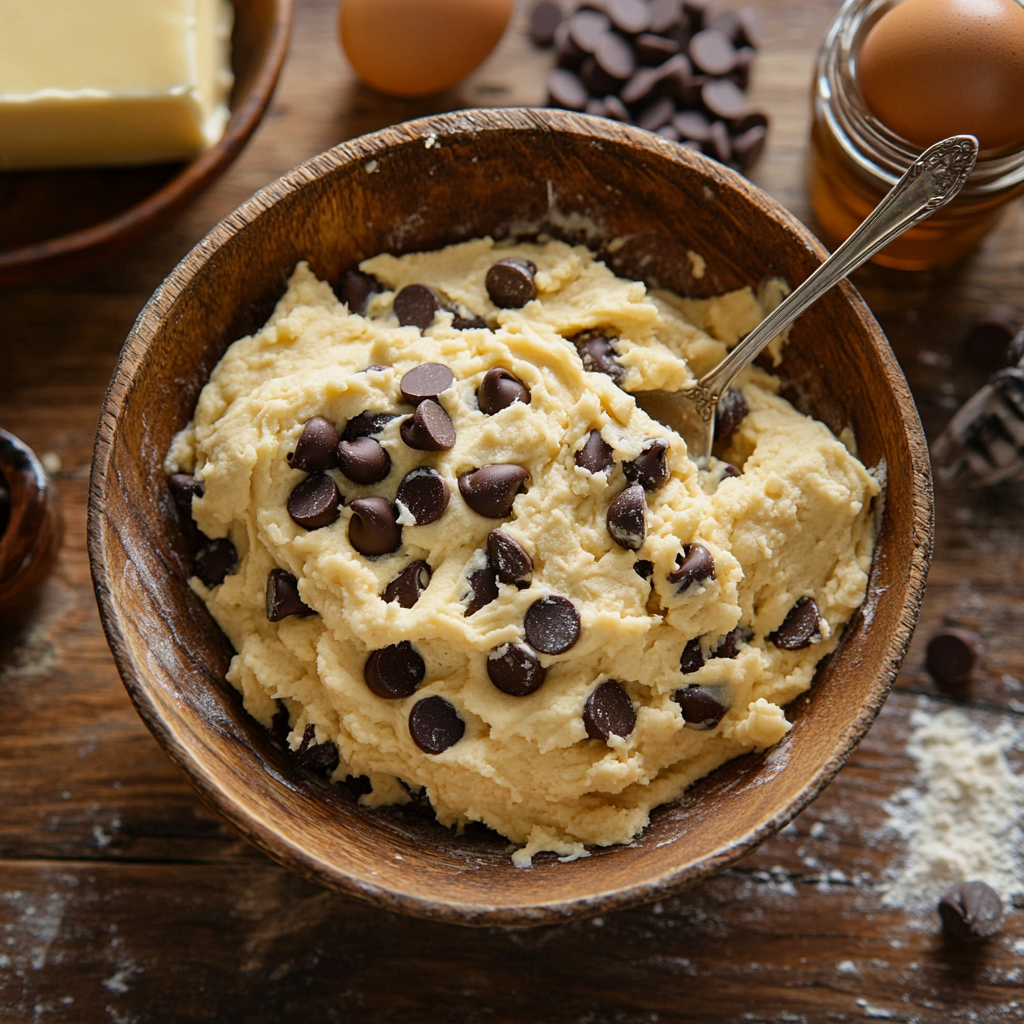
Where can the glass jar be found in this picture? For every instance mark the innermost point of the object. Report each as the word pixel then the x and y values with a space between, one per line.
pixel 854 160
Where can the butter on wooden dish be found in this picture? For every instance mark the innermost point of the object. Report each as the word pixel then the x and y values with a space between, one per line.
pixel 111 82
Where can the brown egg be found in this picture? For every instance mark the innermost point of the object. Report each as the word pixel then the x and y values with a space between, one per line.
pixel 417 47
pixel 933 68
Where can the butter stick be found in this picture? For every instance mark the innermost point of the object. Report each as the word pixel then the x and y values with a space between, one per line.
pixel 87 83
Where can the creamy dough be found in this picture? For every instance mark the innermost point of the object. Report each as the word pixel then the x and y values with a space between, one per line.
pixel 797 523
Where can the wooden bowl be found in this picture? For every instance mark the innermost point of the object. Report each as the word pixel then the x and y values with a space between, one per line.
pixel 420 186
pixel 59 222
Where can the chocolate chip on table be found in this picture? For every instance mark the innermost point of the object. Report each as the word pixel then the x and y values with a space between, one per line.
pixel 565 90
pixel 483 589
pixel 731 643
pixel 317 447
pixel 596 455
pixel 499 389
pixel 435 725
pixel 712 52
pixel 667 15
pixel 694 565
pixel 373 528
pixel 510 283
pixel 515 669
pixel 363 460
pixel 405 589
pixel 394 672
pixel 951 656
pixel 315 502
pixel 719 147
pixel 731 412
pixel 658 113
pixel 214 561
pixel 424 493
pixel 615 109
pixel 545 17
pixel 700 708
pixel 609 712
pixel 740 73
pixel 627 518
pixel 429 429
pixel 598 355
pixel 587 28
pixel 723 99
pixel 183 487
pixel 652 50
pixel 283 597
pixel 428 380
pixel 751 27
pixel 416 305
pixel 629 16
pixel 971 911
pixel 666 131
pixel 644 568
pixel 508 557
pixel 366 424
pixel 800 627
pixel 322 758
pixel 725 21
pixel 746 148
pixel 692 657
pixel 615 57
pixel 552 625
pixel 567 53
pixel 692 124
pixel 491 490
pixel 650 468
pixel 355 289
pixel 642 85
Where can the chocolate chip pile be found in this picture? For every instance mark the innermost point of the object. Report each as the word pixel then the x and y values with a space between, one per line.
pixel 326 455
pixel 675 67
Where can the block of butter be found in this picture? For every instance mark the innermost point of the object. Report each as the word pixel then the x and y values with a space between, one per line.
pixel 87 83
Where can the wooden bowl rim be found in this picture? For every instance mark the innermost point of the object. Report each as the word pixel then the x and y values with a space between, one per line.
pixel 246 818
pixel 40 260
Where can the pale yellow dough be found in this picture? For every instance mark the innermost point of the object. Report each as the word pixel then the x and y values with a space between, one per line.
pixel 797 523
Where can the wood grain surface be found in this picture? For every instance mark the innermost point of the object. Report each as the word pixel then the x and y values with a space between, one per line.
pixel 123 899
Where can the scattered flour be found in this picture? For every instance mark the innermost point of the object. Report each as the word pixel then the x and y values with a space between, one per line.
pixel 962 818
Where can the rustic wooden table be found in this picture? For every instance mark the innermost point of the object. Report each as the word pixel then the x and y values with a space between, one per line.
pixel 123 899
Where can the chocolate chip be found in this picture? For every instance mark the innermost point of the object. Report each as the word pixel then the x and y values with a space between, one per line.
pixel 552 625
pixel 394 672
pixel 644 568
pixel 730 470
pixel 363 461
pixel 971 911
pixel 952 655
pixel 725 21
pixel 491 490
pixel 800 627
pixel 283 597
pixel 428 380
pixel 465 323
pixel 355 289
pixel 731 412
pixel 747 147
pixel 598 355
pixel 747 120
pixel 435 725
pixel 694 565
pixel 718 147
pixel 615 109
pixel 659 112
pixel 667 15
pixel 317 448
pixel 692 657
pixel 406 587
pixel 723 98
pixel 507 556
pixel 677 80
pixel 315 502
pixel 373 528
pixel 692 124
pixel 483 589
pixel 510 282
pixel 701 709
pixel 565 90
pixel 499 389
pixel 183 487
pixel 731 643
pixel 424 493
pixel 667 131
pixel 596 455
pixel 696 9
pixel 650 468
pixel 367 424
pixel 629 16
pixel 627 518
pixel 751 27
pixel 587 28
pixel 545 17
pixel 429 429
pixel 640 86
pixel 614 56
pixel 567 53
pixel 416 305
pixel 652 50
pixel 322 758
pixel 712 52
pixel 740 73
pixel 515 669
pixel 215 560
pixel 609 712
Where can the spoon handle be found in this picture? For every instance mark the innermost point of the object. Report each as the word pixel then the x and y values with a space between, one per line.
pixel 930 182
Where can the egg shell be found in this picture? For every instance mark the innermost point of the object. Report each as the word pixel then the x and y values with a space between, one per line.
pixel 419 47
pixel 929 69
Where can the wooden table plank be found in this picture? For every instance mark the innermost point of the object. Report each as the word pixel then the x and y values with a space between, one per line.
pixel 121 892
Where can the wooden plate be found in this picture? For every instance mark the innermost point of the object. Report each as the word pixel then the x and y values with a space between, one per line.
pixel 61 222
pixel 420 186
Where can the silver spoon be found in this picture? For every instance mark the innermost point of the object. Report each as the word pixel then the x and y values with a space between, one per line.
pixel 930 182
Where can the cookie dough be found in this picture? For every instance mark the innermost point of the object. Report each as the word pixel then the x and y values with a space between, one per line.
pixel 531 604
